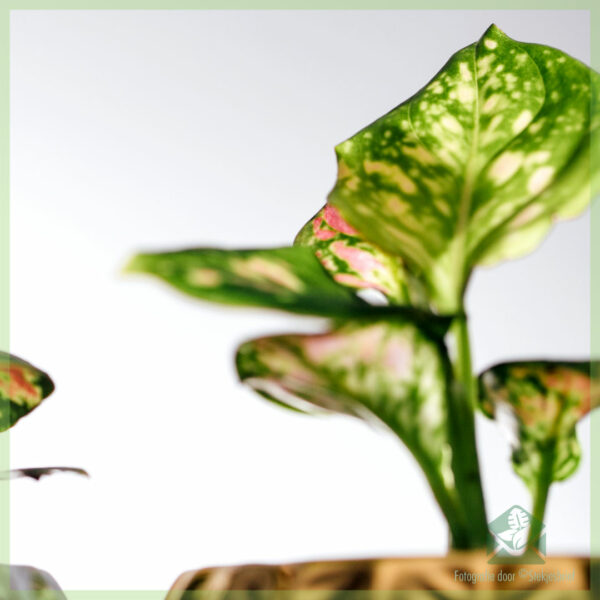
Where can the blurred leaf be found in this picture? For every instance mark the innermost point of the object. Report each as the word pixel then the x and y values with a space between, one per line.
pixel 38 472
pixel 539 403
pixel 290 279
pixel 389 372
pixel 22 388
pixel 354 262
pixel 475 166
pixel 26 583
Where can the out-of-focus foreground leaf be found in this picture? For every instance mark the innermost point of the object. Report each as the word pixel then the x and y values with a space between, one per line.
pixel 290 279
pixel 22 388
pixel 539 403
pixel 26 583
pixel 383 371
pixel 38 472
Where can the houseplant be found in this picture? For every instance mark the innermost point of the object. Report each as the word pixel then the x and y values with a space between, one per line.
pixel 471 170
pixel 23 387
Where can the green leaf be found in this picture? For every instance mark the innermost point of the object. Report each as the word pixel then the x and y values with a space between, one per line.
pixel 540 403
pixel 389 372
pixel 22 388
pixel 290 279
pixel 475 166
pixel 354 262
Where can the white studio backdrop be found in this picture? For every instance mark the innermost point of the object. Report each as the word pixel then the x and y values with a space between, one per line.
pixel 142 130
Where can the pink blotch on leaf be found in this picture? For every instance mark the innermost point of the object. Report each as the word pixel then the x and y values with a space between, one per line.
pixel 324 234
pixel 18 384
pixel 369 342
pixel 398 357
pixel 335 220
pixel 360 261
pixel 568 382
pixel 319 348
pixel 354 281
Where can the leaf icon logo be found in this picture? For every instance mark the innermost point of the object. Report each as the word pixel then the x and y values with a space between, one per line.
pixel 511 533
pixel 520 539
pixel 516 536
pixel 507 535
pixel 518 519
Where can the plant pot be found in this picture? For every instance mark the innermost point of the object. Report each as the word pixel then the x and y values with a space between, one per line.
pixel 452 573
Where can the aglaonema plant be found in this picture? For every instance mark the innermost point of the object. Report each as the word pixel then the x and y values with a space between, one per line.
pixel 471 170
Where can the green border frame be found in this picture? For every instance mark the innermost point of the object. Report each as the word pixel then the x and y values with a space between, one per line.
pixel 6 6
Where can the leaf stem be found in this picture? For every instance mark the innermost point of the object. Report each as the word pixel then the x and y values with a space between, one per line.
pixel 540 492
pixel 465 465
pixel 447 503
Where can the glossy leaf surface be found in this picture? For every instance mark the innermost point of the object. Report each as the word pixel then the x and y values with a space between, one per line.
pixel 22 388
pixel 473 168
pixel 539 403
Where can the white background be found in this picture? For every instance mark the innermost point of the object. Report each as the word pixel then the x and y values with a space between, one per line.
pixel 156 130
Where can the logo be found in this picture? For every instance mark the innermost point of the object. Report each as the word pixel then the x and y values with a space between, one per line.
pixel 517 537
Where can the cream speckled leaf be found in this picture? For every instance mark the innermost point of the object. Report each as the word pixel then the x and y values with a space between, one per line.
pixel 290 279
pixel 493 148
pixel 354 262
pixel 388 372
pixel 540 402
pixel 22 389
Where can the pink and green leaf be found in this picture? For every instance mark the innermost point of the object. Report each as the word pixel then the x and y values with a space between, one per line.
pixel 289 279
pixel 387 372
pixel 491 151
pixel 22 389
pixel 540 403
pixel 351 260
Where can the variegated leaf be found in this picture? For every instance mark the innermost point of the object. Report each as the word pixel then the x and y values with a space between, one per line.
pixel 352 261
pixel 387 372
pixel 474 167
pixel 539 403
pixel 22 388
pixel 290 279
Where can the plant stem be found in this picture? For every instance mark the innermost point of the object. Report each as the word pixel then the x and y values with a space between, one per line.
pixel 461 416
pixel 447 503
pixel 540 493
pixel 463 370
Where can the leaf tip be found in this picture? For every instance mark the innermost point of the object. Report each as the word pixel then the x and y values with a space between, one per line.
pixel 493 33
pixel 136 264
pixel 493 29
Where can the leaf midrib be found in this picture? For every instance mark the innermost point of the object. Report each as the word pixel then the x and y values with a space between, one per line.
pixel 466 196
